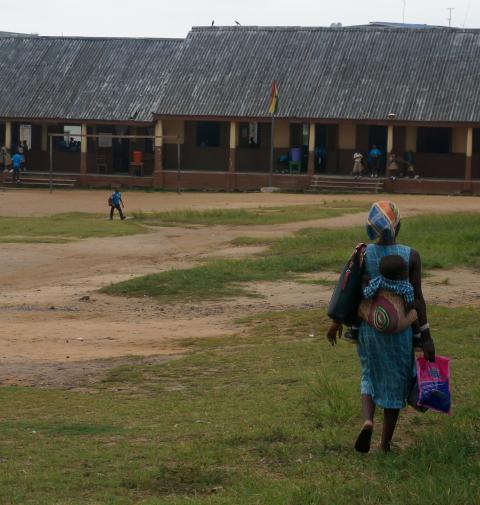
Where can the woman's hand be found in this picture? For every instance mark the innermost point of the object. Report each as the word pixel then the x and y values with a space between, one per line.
pixel 334 330
pixel 429 349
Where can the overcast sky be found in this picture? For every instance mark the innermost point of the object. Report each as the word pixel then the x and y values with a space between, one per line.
pixel 173 18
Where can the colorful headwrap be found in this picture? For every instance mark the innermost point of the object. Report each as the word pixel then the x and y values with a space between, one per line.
pixel 383 220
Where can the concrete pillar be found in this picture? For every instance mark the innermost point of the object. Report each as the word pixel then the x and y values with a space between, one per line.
pixel 468 159
pixel 158 181
pixel 8 135
pixel 389 139
pixel 411 138
pixel 311 150
pixel 44 137
pixel 232 155
pixel 83 153
pixel 233 146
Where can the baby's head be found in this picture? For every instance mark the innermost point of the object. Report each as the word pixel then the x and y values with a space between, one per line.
pixel 394 267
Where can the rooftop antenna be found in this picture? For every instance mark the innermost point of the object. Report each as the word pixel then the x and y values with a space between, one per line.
pixel 450 9
pixel 467 12
pixel 403 10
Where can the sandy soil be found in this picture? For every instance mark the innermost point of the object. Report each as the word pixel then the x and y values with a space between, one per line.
pixel 14 202
pixel 49 336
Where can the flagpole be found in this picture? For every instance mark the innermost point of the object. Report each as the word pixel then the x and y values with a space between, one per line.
pixel 272 109
pixel 272 136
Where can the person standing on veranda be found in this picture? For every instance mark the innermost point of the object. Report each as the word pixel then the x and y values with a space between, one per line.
pixel 357 164
pixel 17 160
pixel 374 156
pixel 5 159
pixel 387 360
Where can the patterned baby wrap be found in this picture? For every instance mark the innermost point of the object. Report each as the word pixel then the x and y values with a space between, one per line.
pixel 383 306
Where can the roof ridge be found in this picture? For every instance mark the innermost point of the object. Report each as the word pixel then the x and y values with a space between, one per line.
pixel 74 37
pixel 352 28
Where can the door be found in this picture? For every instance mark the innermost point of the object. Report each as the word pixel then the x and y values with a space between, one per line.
pixel 377 135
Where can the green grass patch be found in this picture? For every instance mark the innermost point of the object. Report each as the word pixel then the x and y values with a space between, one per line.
pixel 61 228
pixel 269 417
pixel 216 279
pixel 255 216
pixel 252 241
pixel 444 241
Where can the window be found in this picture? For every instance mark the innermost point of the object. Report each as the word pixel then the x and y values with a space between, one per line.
pixel 208 134
pixel 434 140
pixel 72 132
pixel 106 140
pixel 299 133
pixel 305 133
pixel 26 134
pixel 72 138
pixel 249 135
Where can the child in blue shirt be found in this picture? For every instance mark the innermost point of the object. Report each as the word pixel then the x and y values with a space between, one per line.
pixel 17 160
pixel 116 202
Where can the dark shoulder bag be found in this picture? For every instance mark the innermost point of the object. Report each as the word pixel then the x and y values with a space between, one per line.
pixel 347 295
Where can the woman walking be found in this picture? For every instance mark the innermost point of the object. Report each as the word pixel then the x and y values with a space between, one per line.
pixel 387 360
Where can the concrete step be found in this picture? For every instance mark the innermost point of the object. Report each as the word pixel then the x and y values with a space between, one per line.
pixel 347 184
pixel 333 189
pixel 349 180
pixel 339 184
pixel 41 182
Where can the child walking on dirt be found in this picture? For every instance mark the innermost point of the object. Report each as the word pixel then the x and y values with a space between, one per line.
pixel 116 202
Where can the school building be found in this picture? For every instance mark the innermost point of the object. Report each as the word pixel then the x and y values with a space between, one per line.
pixel 152 112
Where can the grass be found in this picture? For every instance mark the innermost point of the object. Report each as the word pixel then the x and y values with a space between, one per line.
pixel 445 241
pixel 268 417
pixel 254 216
pixel 61 228
pixel 252 241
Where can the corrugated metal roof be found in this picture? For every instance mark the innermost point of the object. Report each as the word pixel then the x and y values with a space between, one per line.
pixel 427 74
pixel 83 78
pixel 17 34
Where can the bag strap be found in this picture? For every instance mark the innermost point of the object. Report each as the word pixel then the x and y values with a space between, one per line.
pixel 360 252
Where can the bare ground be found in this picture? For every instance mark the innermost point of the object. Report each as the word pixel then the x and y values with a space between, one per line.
pixel 48 337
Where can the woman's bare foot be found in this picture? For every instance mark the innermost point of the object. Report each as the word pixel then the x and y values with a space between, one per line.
pixel 364 438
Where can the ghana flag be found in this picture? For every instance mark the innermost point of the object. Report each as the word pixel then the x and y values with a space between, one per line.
pixel 273 104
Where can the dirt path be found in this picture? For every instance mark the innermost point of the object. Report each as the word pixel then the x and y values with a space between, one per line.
pixel 21 202
pixel 49 337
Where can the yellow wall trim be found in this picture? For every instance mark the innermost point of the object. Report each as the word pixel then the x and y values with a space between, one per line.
pixel 347 136
pixel 173 127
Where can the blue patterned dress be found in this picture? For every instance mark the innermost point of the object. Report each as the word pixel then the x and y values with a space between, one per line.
pixel 387 360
